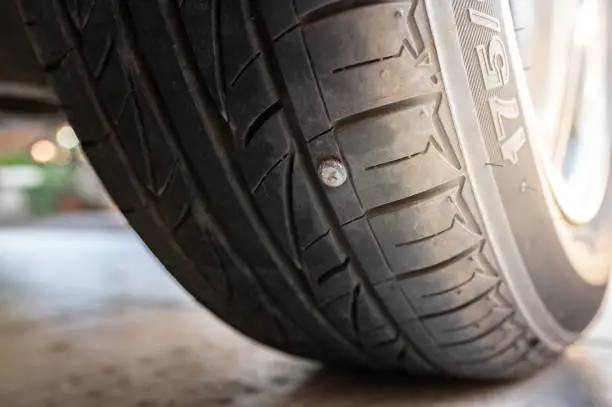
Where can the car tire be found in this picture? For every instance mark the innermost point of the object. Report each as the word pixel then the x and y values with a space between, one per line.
pixel 434 246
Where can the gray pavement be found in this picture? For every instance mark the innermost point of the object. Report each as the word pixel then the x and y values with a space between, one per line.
pixel 89 318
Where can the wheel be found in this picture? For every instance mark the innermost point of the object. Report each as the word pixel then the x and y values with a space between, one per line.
pixel 358 182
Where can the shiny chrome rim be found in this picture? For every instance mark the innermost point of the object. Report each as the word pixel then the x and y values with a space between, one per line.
pixel 563 46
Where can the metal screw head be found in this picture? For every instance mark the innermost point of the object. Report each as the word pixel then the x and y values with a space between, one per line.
pixel 332 172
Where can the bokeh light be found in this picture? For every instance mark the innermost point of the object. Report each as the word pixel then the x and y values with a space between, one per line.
pixel 66 137
pixel 43 151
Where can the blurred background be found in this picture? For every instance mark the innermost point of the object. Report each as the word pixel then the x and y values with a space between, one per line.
pixel 43 173
pixel 88 316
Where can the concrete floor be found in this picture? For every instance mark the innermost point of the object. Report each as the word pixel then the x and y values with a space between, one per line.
pixel 89 318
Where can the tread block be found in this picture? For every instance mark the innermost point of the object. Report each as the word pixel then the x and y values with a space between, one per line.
pixel 114 87
pixel 151 144
pixel 271 198
pixel 483 348
pixel 401 309
pixel 91 128
pixel 389 138
pixel 176 199
pixel 130 122
pixel 367 250
pixel 343 56
pixel 431 253
pixel 495 351
pixel 383 338
pixel 236 46
pixel 366 318
pixel 301 83
pixel 471 324
pixel 96 41
pixel 354 315
pixel 338 312
pixel 480 286
pixel 443 280
pixel 248 100
pixel 396 303
pixel 265 151
pixel 198 21
pixel 420 221
pixel 305 6
pixel 309 224
pixel 203 249
pixel 384 185
pixel 80 11
pixel 279 16
pixel 50 45
pixel 327 272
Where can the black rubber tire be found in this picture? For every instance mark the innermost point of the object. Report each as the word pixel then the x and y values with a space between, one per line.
pixel 207 120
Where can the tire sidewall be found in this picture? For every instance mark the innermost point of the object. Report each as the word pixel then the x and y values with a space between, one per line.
pixel 539 253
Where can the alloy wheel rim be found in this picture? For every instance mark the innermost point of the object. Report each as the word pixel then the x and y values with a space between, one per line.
pixel 563 47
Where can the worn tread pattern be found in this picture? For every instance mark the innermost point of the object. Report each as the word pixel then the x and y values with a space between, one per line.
pixel 208 137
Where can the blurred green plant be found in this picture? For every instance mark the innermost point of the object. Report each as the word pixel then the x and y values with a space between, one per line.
pixel 16 159
pixel 56 181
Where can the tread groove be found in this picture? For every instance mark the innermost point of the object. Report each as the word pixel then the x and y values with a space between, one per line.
pixel 123 108
pixel 412 200
pixel 329 274
pixel 479 336
pixel 355 309
pixel 268 172
pixel 414 30
pixel 217 47
pixel 287 31
pixel 144 142
pixel 316 80
pixel 430 237
pixel 122 14
pixel 244 69
pixel 441 265
pixel 252 15
pixel 288 207
pixel 386 342
pixel 258 123
pixel 449 153
pixel 219 132
pixel 315 241
pixel 459 307
pixel 227 286
pixel 338 7
pixel 386 109
pixel 105 58
pixel 185 214
pixel 401 159
pixel 57 63
pixel 373 61
pixel 450 290
pixel 477 361
pixel 71 37
pixel 470 324
pixel 161 190
pixel 84 19
pixel 91 144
